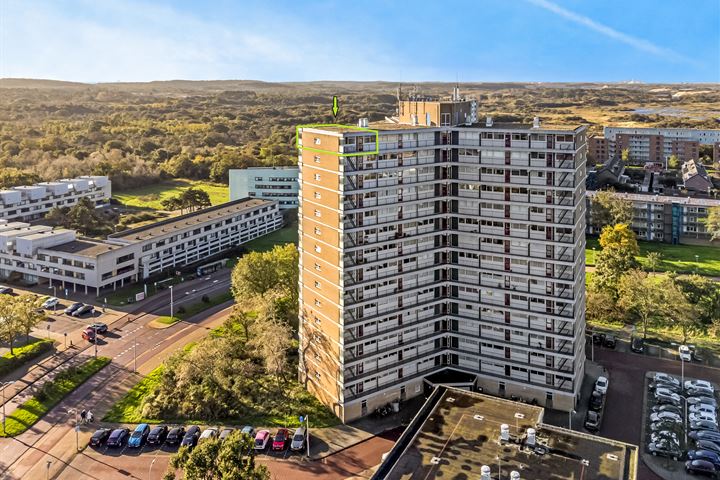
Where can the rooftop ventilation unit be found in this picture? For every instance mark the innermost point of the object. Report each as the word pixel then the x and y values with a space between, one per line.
pixel 485 473
pixel 363 123
pixel 488 121
pixel 504 432
pixel 536 122
pixel 414 119
pixel 530 441
pixel 514 475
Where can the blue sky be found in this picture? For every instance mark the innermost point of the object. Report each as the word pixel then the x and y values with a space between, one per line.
pixel 284 40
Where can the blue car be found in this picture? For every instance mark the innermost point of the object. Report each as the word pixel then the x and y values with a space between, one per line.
pixel 138 437
pixel 706 455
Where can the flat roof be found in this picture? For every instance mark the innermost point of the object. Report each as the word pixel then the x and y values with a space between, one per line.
pixel 461 433
pixel 653 198
pixel 392 126
pixel 84 248
pixel 190 220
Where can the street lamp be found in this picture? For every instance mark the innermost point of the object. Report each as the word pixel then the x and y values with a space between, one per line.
pixel 697 262
pixel 47 475
pixel 570 414
pixel 77 428
pixel 135 353
pixel 499 460
pixel 171 303
pixel 54 289
pixel 4 384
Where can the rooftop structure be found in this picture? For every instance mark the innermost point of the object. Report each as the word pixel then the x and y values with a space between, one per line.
pixel 269 183
pixel 460 434
pixel 695 177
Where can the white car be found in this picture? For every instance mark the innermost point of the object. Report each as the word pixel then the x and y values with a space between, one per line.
pixel 666 435
pixel 663 395
pixel 208 434
pixel 660 377
pixel 700 416
pixel 666 417
pixel 601 385
pixel 685 353
pixel 50 303
pixel 702 408
pixel 699 384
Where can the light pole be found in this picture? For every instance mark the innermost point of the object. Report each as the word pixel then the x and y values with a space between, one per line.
pixel 4 384
pixel 47 473
pixel 171 303
pixel 697 262
pixel 151 465
pixel 96 339
pixel 570 414
pixel 135 353
pixel 54 289
pixel 77 428
pixel 499 466
pixel 307 419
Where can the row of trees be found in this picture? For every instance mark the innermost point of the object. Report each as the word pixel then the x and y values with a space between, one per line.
pixel 84 218
pixel 18 316
pixel 188 200
pixel 622 291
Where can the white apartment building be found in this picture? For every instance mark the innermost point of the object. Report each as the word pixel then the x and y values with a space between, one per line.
pixel 445 254
pixel 39 254
pixel 35 201
pixel 279 184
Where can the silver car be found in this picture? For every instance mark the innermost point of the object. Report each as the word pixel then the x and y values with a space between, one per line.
pixel 298 439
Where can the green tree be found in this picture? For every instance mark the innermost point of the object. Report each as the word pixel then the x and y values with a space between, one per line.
pixel 257 273
pixel 600 306
pixel 640 297
pixel 29 314
pixel 677 309
pixel 625 155
pixel 702 292
pixel 712 222
pixel 653 261
pixel 609 208
pixel 10 326
pixel 673 162
pixel 617 257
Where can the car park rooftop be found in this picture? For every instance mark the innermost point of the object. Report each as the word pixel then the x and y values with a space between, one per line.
pixel 457 432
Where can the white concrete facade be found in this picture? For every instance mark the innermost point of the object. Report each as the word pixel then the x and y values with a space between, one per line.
pixel 462 248
pixel 35 201
pixel 58 257
pixel 279 184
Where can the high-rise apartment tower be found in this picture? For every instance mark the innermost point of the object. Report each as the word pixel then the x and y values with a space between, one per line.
pixel 436 249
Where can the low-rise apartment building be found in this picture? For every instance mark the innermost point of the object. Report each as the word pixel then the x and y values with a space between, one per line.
pixel 279 184
pixel 654 144
pixel 40 254
pixel 31 202
pixel 695 178
pixel 664 218
pixel 440 245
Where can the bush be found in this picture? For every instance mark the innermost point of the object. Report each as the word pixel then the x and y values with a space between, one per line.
pixel 24 354
pixel 205 299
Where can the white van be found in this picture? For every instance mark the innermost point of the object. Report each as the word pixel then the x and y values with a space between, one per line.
pixel 298 439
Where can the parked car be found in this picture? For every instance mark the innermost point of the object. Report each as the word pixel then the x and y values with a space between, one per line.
pixel 703 408
pixel 5 290
pixel 597 400
pixel 700 466
pixel 281 438
pixel 663 395
pixel 207 434
pixel 705 435
pixel 99 327
pixel 665 435
pixel 684 353
pixel 51 302
pixel 673 388
pixel 248 430
pixel 118 437
pixel 175 435
pixel 609 341
pixel 592 421
pixel 699 383
pixel 598 338
pixel 224 433
pixel 699 392
pixel 707 455
pixel 665 449
pixel 702 416
pixel 138 437
pixel 637 345
pixel 298 439
pixel 703 425
pixel 157 435
pixel 660 377
pixel 666 417
pixel 261 439
pixel 702 399
pixel 84 310
pixel 191 437
pixel 74 306
pixel 664 425
pixel 707 445
pixel 99 437
pixel 601 385
pixel 88 334
pixel 667 408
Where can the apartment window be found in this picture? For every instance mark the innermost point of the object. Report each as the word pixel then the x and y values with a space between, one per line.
pixel 317 141
pixel 317 159
pixel 317 176
pixel 258 179
pixel 317 231
pixel 318 303
pixel 317 285
pixel 318 249
pixel 318 214
pixel 317 195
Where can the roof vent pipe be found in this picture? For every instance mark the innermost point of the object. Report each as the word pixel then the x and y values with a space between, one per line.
pixel 504 432
pixel 514 475
pixel 363 123
pixel 536 122
pixel 488 121
pixel 530 441
pixel 485 473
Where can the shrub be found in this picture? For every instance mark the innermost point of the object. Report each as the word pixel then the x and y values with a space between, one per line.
pixel 23 355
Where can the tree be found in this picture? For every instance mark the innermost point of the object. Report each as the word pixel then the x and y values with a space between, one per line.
pixel 677 308
pixel 272 338
pixel 673 162
pixel 640 297
pixel 599 306
pixel 257 273
pixel 609 208
pixel 617 257
pixel 29 313
pixel 702 292
pixel 653 261
pixel 712 222
pixel 625 155
pixel 9 323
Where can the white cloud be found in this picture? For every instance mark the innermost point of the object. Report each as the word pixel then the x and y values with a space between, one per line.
pixel 127 40
pixel 635 42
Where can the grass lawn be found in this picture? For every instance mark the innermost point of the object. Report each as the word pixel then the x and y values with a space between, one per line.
pixel 194 308
pixel 121 295
pixel 27 414
pixel 675 258
pixel 22 355
pixel 127 410
pixel 151 196
pixel 287 234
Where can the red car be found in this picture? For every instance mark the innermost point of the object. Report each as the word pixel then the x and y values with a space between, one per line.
pixel 281 438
